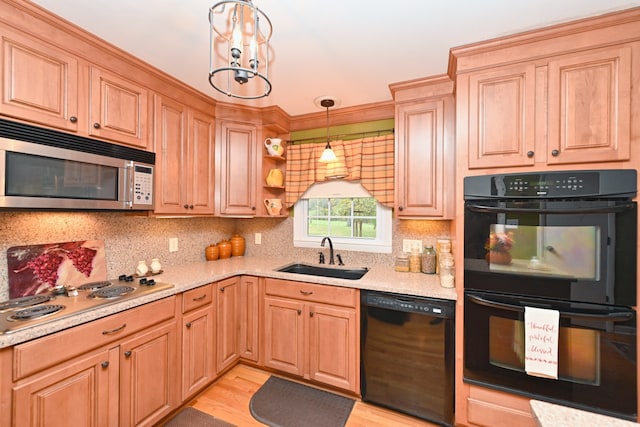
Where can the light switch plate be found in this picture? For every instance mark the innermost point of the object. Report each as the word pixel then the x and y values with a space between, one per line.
pixel 173 244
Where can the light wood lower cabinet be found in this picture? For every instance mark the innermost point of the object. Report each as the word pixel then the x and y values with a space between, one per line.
pixel 249 318
pixel 228 318
pixel 198 340
pixel 119 370
pixel 312 331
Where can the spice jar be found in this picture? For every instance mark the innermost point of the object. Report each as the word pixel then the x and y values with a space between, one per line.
pixel 429 260
pixel 402 263
pixel 414 261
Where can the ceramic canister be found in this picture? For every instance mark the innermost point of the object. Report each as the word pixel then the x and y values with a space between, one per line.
pixel 237 245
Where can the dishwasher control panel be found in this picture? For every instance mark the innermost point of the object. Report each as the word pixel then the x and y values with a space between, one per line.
pixel 409 304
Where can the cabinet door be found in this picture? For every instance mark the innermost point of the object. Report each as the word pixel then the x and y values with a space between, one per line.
pixel 590 106
pixel 170 147
pixel 200 163
pixel 39 82
pixel 332 348
pixel 236 180
pixel 421 156
pixel 149 376
pixel 501 117
pixel 284 335
pixel 227 317
pixel 198 350
pixel 118 109
pixel 82 392
pixel 249 315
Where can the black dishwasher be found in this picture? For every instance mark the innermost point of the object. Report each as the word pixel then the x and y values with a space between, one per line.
pixel 407 354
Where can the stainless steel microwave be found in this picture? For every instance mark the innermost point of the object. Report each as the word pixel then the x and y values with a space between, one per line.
pixel 68 172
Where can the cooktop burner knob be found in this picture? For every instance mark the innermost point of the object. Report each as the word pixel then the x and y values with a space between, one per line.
pixel 122 277
pixel 143 281
pixel 151 282
pixel 128 278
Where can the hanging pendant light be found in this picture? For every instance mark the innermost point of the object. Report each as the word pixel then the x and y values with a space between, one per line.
pixel 239 49
pixel 328 155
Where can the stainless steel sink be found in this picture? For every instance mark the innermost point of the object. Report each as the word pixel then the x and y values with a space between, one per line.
pixel 317 270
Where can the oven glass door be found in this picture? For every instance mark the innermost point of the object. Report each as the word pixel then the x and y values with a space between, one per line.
pixel 596 352
pixel 574 250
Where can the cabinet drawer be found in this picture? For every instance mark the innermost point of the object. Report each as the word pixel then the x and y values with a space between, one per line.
pixel 197 297
pixel 333 295
pixel 44 352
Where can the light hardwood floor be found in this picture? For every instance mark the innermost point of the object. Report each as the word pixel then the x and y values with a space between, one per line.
pixel 228 399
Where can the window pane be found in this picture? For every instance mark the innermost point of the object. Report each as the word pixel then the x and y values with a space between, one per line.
pixel 318 207
pixel 364 206
pixel 318 227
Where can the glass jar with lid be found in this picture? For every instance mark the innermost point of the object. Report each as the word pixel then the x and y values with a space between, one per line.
pixel 428 260
pixel 402 263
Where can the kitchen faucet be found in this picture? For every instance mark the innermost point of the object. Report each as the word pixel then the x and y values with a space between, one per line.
pixel 331 261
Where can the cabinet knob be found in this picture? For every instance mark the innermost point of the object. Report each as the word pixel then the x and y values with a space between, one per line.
pixel 555 153
pixel 105 364
pixel 221 289
pixel 186 206
pixel 73 119
pixel 127 353
pixel 299 311
pixel 253 208
pixel 188 325
pixel 530 154
pixel 96 125
pixel 190 206
pixel 311 313
pixel 400 208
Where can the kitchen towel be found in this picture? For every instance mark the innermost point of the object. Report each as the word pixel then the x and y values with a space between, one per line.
pixel 541 327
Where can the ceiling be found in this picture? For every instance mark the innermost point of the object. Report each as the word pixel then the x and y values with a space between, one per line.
pixel 350 50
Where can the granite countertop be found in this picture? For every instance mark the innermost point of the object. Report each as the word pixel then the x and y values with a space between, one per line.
pixel 189 276
pixel 551 415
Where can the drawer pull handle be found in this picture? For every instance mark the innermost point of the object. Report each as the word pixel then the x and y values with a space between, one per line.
pixel 127 353
pixel 188 325
pixel 200 298
pixel 105 364
pixel 306 292
pixel 114 331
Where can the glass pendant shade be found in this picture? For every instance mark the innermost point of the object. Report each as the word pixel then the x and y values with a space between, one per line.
pixel 239 49
pixel 328 155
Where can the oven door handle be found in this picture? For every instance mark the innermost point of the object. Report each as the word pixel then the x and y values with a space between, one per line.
pixel 620 316
pixel 496 209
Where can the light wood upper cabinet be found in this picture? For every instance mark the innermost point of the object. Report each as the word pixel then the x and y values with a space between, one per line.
pixel 566 109
pixel 590 106
pixel 236 165
pixel 424 148
pixel 118 109
pixel 184 159
pixel 39 82
pixel 502 116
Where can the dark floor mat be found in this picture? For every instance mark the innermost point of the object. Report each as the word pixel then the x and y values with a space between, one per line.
pixel 191 417
pixel 282 403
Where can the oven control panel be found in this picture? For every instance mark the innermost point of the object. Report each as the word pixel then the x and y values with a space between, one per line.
pixel 553 184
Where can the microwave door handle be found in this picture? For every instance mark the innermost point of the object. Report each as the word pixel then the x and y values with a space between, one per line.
pixel 496 209
pixel 129 175
pixel 620 316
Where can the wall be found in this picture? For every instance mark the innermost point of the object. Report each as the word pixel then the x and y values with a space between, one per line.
pixel 132 238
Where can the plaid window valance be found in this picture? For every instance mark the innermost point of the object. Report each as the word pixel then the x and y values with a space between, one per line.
pixel 369 160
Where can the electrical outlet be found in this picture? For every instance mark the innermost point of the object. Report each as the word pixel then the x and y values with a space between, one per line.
pixel 258 238
pixel 173 244
pixel 408 245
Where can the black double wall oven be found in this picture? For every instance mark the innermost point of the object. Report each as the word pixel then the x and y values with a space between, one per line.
pixel 562 244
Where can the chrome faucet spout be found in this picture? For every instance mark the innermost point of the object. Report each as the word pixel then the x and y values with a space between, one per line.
pixel 331 261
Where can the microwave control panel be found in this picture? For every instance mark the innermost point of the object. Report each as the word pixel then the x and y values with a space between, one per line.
pixel 143 185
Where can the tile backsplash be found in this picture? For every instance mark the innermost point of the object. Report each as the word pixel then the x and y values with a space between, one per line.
pixel 130 238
